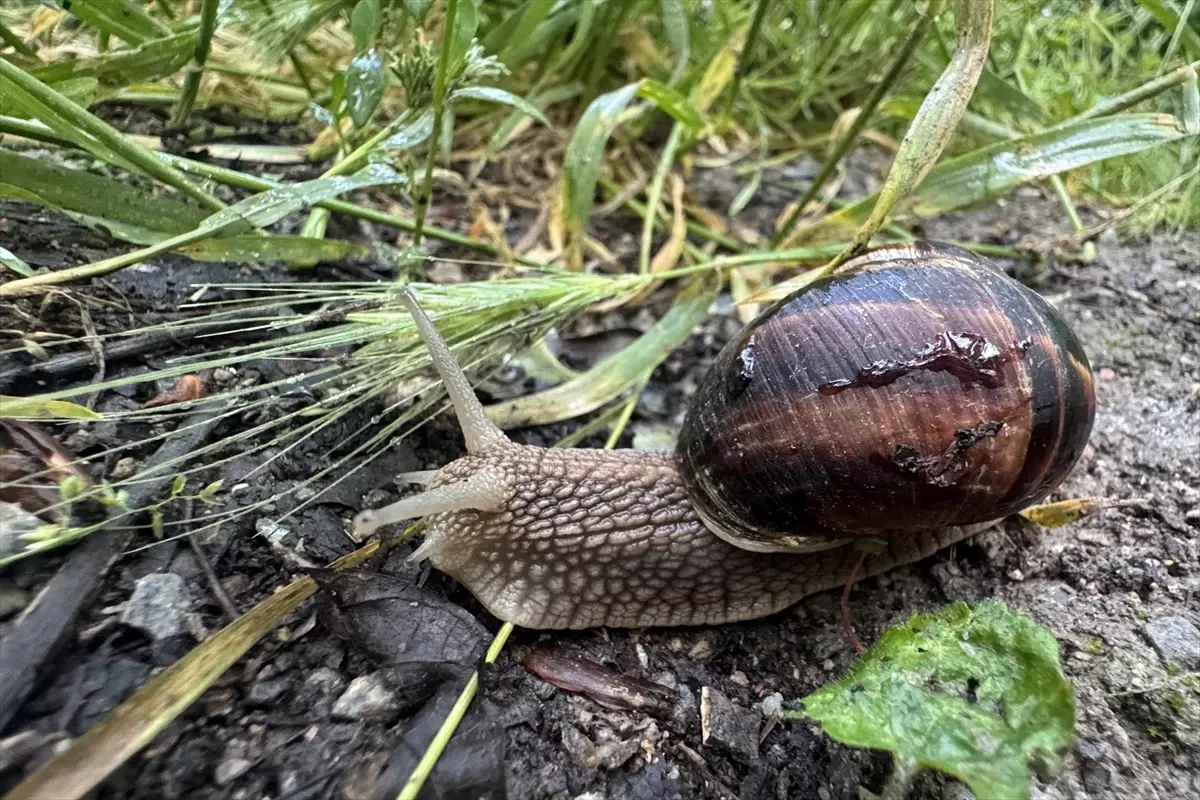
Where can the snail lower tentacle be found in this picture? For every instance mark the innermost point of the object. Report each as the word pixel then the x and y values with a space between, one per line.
pixel 914 398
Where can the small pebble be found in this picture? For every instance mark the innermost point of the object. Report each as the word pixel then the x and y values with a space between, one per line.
pixel 230 770
pixel 267 692
pixel 366 698
pixel 727 726
pixel 1177 640
pixel 160 606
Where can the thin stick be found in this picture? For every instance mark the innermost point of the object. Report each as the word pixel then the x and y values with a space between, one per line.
pixel 847 623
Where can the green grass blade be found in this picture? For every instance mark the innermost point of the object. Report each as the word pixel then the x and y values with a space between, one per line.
pixel 253 212
pixel 585 152
pixel 934 124
pixel 117 68
pixel 124 19
pixel 619 372
pixel 1169 17
pixel 75 190
pixel 74 122
pixel 987 173
pixel 191 81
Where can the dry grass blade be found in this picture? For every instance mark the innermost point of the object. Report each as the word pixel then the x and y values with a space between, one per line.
pixel 134 723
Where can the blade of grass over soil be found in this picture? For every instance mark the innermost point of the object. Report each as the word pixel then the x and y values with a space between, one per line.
pixel 72 121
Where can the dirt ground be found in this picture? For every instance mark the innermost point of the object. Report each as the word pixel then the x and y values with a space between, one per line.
pixel 279 724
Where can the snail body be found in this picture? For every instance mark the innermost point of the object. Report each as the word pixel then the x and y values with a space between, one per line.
pixel 910 400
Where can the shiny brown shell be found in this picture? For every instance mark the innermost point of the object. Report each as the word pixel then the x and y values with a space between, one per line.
pixel 919 387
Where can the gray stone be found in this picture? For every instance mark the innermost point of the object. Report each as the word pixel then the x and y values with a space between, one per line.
pixel 160 606
pixel 268 692
pixel 1177 640
pixel 15 524
pixel 230 770
pixel 366 698
pixel 728 727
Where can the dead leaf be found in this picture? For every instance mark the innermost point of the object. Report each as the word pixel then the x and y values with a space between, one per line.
pixel 184 390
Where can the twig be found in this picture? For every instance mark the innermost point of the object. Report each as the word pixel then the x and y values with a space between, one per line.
pixel 231 611
pixel 45 624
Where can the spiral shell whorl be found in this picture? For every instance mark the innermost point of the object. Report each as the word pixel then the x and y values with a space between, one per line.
pixel 918 387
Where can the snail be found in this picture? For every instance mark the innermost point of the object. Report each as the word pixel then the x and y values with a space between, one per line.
pixel 915 397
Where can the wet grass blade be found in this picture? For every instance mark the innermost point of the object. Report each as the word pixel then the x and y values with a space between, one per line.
pixel 76 190
pixel 124 19
pixel 118 68
pixel 581 165
pixel 933 126
pixel 616 374
pixel 72 121
pixel 865 113
pixel 191 81
pixel 32 408
pixel 253 212
pixel 987 173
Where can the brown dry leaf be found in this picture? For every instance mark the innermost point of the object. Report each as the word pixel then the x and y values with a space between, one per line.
pixel 184 390
pixel 32 463
pixel 484 228
pixel 668 255
pixel 707 217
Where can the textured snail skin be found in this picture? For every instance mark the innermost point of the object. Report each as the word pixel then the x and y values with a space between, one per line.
pixel 595 538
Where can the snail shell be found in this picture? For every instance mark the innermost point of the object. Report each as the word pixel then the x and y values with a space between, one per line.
pixel 915 397
pixel 918 387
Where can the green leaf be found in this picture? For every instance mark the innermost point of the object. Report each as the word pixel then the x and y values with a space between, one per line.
pixel 271 206
pixel 35 408
pixel 619 372
pixel 419 9
pixel 119 68
pixel 585 151
pixel 1168 16
pixel 295 251
pixel 121 18
pixel 74 190
pixel 73 122
pixel 986 173
pixel 491 94
pixel 978 694
pixel 675 23
pixel 364 24
pixel 365 81
pixel 681 108
pixel 177 484
pixel 9 259
pixel 466 23
pixel 936 120
pixel 512 35
pixel 411 134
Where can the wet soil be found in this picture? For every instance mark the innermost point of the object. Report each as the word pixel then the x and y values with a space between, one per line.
pixel 277 724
